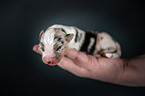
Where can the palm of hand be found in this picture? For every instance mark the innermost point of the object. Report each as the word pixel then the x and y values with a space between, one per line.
pixel 88 66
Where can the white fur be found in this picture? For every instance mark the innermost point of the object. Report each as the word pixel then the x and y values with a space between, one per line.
pixel 71 30
pixel 48 41
pixel 107 41
pixel 92 41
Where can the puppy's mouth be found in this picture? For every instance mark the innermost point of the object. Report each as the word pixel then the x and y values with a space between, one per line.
pixel 51 61
pixel 52 64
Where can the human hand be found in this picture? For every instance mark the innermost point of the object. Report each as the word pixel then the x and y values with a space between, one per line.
pixel 129 72
pixel 88 66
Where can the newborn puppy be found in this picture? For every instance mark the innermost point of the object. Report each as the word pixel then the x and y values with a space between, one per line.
pixel 56 39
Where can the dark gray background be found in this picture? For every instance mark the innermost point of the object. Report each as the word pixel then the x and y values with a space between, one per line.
pixel 21 70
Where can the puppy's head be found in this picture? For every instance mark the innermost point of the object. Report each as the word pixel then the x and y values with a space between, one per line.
pixel 53 45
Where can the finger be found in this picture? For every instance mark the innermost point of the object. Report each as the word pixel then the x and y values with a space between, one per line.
pixel 81 59
pixel 76 55
pixel 70 66
pixel 72 54
pixel 67 64
pixel 36 49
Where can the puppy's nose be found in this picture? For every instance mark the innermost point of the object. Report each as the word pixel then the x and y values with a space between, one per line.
pixel 50 60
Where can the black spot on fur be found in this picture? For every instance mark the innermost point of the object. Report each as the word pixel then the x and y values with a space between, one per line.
pixel 62 42
pixel 55 37
pixel 101 38
pixel 63 30
pixel 58 48
pixel 59 39
pixel 87 42
pixel 76 37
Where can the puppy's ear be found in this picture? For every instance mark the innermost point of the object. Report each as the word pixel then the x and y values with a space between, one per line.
pixel 36 48
pixel 69 37
pixel 41 33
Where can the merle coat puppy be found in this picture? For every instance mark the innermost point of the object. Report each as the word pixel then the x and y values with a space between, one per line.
pixel 57 39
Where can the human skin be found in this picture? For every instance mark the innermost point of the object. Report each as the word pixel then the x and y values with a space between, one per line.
pixel 127 72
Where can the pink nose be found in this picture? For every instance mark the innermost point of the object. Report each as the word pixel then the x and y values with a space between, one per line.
pixel 50 60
